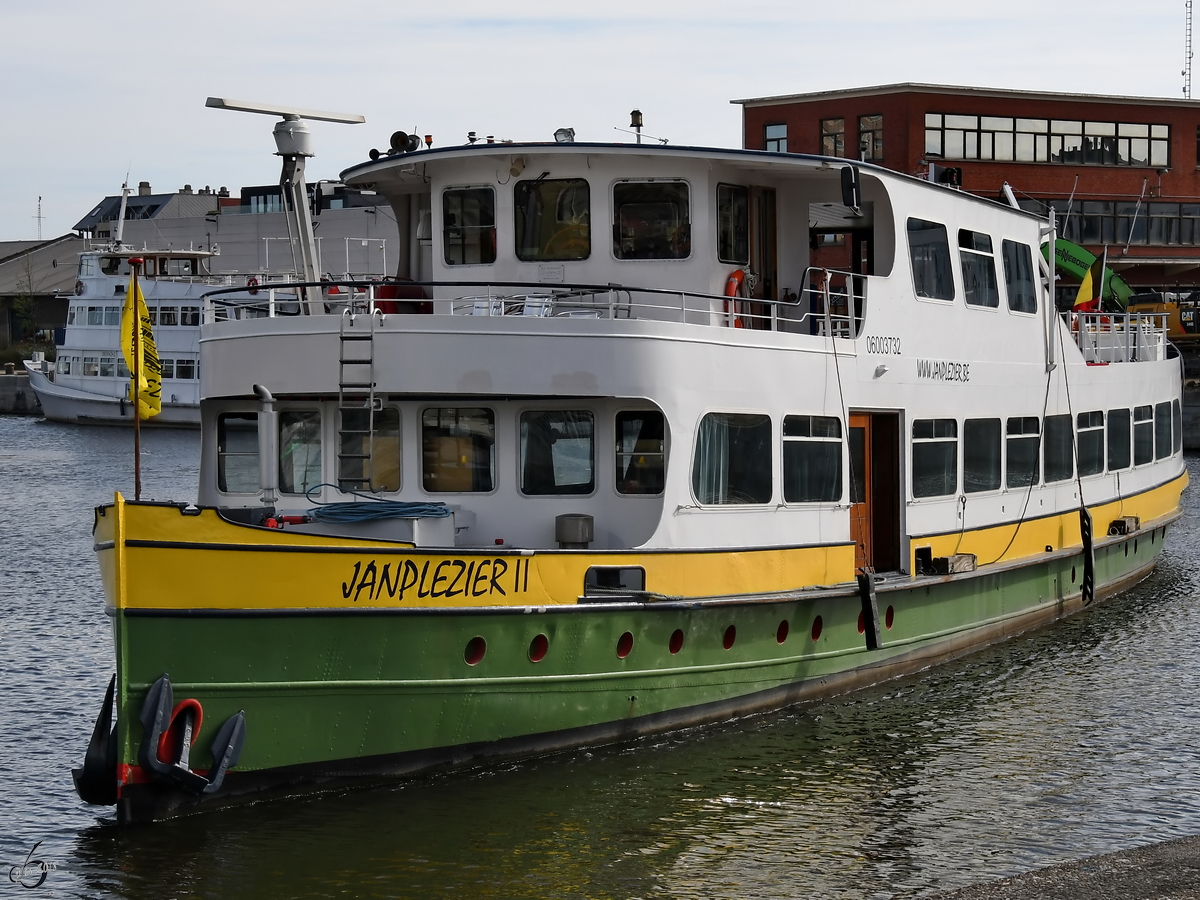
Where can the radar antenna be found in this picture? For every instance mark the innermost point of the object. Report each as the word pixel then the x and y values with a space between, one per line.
pixel 1187 54
pixel 294 143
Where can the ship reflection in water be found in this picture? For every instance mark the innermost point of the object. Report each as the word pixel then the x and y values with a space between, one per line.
pixel 1072 741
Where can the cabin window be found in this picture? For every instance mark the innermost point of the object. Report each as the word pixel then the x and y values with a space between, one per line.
pixel 935 457
pixel 299 451
pixel 185 368
pixel 733 459
pixel 833 137
pixel 981 455
pixel 1021 447
pixel 1162 430
pixel 107 367
pixel 458 450
pixel 112 315
pixel 469 226
pixel 557 452
pixel 177 267
pixel 1056 451
pixel 651 220
pixel 63 366
pixel 812 459
pixel 71 315
pixel 122 369
pixel 1176 427
pixel 91 365
pixel 110 265
pixel 1143 435
pixel 166 368
pixel 929 250
pixel 86 265
pixel 149 267
pixel 978 269
pixel 775 138
pixel 870 138
pixel 1090 441
pixel 95 315
pixel 237 453
pixel 370 459
pixel 733 224
pixel 553 218
pixel 1118 439
pixel 641 452
pixel 1018 277
pixel 168 315
pixel 189 315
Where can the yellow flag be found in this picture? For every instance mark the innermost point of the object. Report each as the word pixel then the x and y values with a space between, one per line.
pixel 145 368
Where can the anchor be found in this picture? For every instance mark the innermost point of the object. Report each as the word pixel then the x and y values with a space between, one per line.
pixel 96 780
pixel 172 729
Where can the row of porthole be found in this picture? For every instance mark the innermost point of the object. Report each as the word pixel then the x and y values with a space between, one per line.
pixel 540 645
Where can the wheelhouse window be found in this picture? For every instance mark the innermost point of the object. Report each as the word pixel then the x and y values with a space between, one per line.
pixel 553 219
pixel 733 459
pixel 812 459
pixel 981 455
pixel 978 269
pixel 1118 439
pixel 870 138
pixel 934 457
pixel 557 452
pixel 775 138
pixel 299 451
pixel 469 226
pixel 189 315
pixel 651 220
pixel 369 456
pixel 733 224
pixel 1143 435
pixel 929 251
pixel 833 137
pixel 1090 441
pixel 1021 448
pixel 641 452
pixel 1162 430
pixel 1018 277
pixel 1056 451
pixel 458 450
pixel 237 453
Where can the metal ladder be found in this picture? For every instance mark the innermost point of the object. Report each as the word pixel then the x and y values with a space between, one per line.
pixel 356 402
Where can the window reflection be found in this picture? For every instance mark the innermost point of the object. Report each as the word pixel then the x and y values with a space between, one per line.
pixel 651 220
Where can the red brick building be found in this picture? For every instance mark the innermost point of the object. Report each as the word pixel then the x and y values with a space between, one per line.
pixel 1121 172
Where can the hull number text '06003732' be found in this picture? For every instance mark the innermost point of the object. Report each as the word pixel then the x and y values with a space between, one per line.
pixel 883 345
pixel 943 370
pixel 496 577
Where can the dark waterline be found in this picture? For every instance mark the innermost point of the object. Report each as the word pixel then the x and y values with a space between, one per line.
pixel 1074 740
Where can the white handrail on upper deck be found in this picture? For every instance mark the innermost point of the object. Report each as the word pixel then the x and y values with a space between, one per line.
pixel 1105 338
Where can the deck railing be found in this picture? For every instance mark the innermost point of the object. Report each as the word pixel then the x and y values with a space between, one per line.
pixel 1119 337
pixel 832 302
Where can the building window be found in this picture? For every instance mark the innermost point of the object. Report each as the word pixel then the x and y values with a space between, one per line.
pixel 469 226
pixel 833 137
pixel 1018 277
pixel 1118 439
pixel 651 220
pixel 1090 442
pixel 237 453
pixel 1056 451
pixel 641 452
pixel 733 459
pixel 812 459
pixel 733 224
pixel 981 455
pixel 1067 142
pixel 934 457
pixel 370 450
pixel 1143 435
pixel 458 450
pixel 557 452
pixel 775 138
pixel 929 251
pixel 1021 447
pixel 553 219
pixel 299 451
pixel 978 269
pixel 870 138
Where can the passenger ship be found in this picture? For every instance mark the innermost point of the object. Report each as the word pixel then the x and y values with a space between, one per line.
pixel 657 474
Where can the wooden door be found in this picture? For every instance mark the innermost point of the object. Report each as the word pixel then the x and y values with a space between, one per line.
pixel 860 488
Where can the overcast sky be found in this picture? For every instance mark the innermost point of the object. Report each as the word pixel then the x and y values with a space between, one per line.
pixel 93 89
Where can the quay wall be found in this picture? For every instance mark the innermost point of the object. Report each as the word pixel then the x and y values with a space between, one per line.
pixel 17 398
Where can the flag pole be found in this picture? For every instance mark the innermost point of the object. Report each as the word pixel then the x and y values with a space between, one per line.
pixel 134 263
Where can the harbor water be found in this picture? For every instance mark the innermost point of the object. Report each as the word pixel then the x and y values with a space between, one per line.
pixel 1077 739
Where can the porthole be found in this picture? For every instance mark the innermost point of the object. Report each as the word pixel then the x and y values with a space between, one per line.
pixel 781 632
pixel 538 647
pixel 730 637
pixel 676 642
pixel 816 629
pixel 624 645
pixel 476 648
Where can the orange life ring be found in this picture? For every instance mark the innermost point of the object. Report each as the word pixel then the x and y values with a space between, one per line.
pixel 733 288
pixel 252 283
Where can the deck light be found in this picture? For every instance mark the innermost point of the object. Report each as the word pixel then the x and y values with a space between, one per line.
pixel 635 122
pixel 564 135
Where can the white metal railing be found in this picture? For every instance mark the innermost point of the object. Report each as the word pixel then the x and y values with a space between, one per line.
pixel 1119 337
pixel 831 302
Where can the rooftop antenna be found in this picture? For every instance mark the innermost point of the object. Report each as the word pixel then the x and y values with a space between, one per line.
pixel 294 143
pixel 1187 54
pixel 39 218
